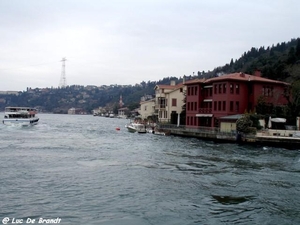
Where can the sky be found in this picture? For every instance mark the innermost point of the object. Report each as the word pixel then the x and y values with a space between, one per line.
pixel 130 41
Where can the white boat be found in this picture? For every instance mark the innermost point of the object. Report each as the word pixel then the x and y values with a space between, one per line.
pixel 23 116
pixel 136 127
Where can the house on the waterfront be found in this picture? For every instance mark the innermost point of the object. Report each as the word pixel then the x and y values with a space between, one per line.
pixel 76 111
pixel 147 107
pixel 169 100
pixel 208 100
pixel 123 112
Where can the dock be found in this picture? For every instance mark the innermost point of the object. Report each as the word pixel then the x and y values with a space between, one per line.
pixel 289 139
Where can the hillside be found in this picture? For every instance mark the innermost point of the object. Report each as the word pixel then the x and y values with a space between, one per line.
pixel 278 62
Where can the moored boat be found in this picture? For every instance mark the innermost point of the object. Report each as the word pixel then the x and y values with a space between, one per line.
pixel 136 127
pixel 23 116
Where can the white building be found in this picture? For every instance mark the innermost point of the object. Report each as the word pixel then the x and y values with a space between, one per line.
pixel 147 108
pixel 123 112
pixel 72 111
pixel 169 100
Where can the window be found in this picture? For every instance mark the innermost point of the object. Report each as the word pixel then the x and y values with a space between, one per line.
pixel 267 91
pixel 162 102
pixel 145 108
pixel 181 90
pixel 205 92
pixel 231 106
pixel 224 88
pixel 231 88
pixel 215 106
pixel 174 102
pixel 237 106
pixel 237 89
pixel 220 88
pixel 219 104
pixel 216 88
pixel 224 105
pixel 189 91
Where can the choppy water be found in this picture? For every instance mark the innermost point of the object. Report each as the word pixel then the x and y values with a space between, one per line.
pixel 84 171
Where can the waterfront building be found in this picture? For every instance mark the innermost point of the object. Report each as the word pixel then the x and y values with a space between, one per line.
pixel 169 100
pixel 147 108
pixel 123 112
pixel 73 111
pixel 208 100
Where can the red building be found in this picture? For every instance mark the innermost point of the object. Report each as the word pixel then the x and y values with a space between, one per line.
pixel 209 99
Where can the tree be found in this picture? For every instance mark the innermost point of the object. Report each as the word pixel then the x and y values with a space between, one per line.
pixel 293 98
pixel 244 124
pixel 261 106
pixel 183 112
pixel 297 53
pixel 291 56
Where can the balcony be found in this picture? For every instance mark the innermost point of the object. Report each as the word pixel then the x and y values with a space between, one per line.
pixel 160 95
pixel 205 110
pixel 160 106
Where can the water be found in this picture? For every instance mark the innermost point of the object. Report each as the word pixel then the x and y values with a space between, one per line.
pixel 82 170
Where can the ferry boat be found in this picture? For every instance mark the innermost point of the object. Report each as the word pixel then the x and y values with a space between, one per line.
pixel 24 116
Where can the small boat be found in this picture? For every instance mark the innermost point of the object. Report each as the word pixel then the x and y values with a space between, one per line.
pixel 156 132
pixel 136 127
pixel 23 116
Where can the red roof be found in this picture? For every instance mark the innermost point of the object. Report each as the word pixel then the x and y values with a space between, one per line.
pixel 236 77
pixel 169 86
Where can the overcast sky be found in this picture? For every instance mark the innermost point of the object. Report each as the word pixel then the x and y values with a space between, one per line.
pixel 126 42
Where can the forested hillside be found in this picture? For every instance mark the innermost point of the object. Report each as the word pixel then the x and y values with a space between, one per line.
pixel 278 62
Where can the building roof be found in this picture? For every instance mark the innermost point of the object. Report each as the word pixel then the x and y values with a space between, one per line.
pixel 236 77
pixel 171 87
pixel 147 101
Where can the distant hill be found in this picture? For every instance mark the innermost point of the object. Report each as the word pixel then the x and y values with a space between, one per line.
pixel 278 62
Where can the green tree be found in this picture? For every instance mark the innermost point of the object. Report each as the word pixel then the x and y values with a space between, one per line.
pixel 291 56
pixel 297 52
pixel 262 107
pixel 183 112
pixel 244 124
pixel 293 97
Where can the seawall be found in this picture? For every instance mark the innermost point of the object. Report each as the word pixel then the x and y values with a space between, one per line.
pixel 214 134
